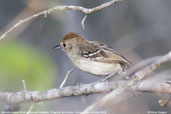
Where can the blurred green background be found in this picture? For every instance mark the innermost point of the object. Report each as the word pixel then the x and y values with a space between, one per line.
pixel 19 61
pixel 139 29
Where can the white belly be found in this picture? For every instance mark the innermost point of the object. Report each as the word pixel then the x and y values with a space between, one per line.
pixel 97 68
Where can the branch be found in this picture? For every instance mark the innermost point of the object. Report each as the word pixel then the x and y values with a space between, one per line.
pixel 86 11
pixel 30 109
pixel 137 76
pixel 84 89
pixel 67 76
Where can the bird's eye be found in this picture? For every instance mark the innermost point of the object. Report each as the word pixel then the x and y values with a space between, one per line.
pixel 64 44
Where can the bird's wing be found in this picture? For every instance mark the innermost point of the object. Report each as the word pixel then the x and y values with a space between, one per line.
pixel 99 51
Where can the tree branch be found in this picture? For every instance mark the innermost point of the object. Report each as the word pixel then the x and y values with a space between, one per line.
pixel 137 76
pixel 86 11
pixel 30 109
pixel 67 76
pixel 84 89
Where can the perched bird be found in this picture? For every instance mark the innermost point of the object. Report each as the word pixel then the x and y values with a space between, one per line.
pixel 92 56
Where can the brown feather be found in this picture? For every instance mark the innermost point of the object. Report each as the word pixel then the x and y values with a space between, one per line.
pixel 70 36
pixel 106 54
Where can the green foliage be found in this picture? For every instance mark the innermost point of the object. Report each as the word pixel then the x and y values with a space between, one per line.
pixel 19 61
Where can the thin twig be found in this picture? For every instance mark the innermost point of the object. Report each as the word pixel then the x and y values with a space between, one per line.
pixel 24 85
pixel 65 7
pixel 83 21
pixel 67 76
pixel 24 88
pixel 30 109
pixel 163 102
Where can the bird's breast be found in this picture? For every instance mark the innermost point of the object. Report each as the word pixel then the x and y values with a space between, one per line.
pixel 95 67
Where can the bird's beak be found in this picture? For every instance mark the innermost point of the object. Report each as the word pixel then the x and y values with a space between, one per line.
pixel 57 47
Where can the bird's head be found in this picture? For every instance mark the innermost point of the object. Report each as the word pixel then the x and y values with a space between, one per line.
pixel 70 41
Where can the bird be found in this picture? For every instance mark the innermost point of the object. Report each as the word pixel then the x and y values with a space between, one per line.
pixel 94 57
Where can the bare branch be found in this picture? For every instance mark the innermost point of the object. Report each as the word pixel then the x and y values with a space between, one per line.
pixel 139 75
pixel 83 89
pixel 24 85
pixel 30 109
pixel 67 76
pixel 65 7
pixel 83 21
pixel 164 101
